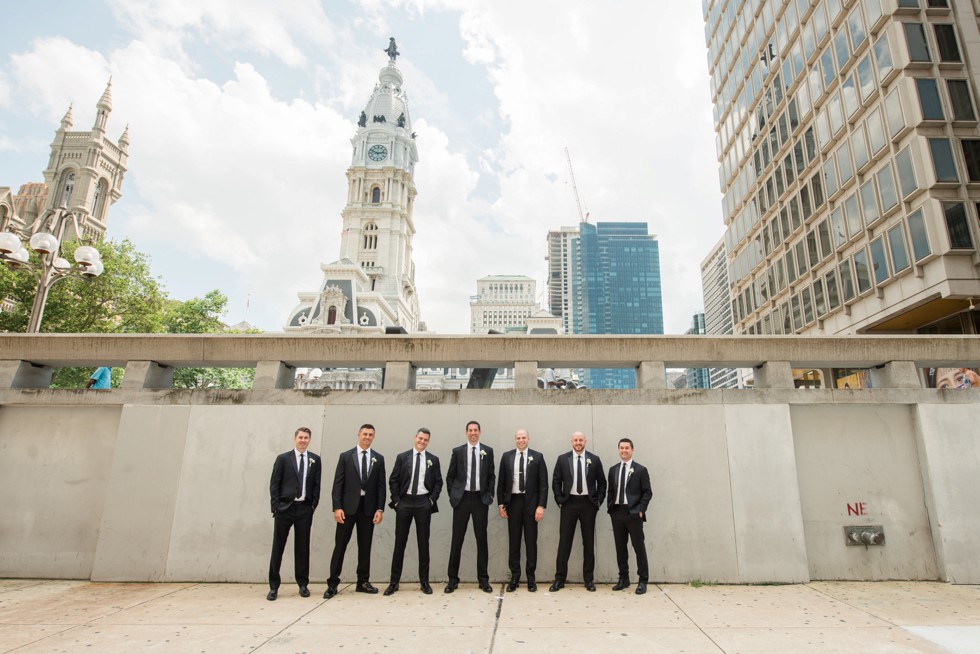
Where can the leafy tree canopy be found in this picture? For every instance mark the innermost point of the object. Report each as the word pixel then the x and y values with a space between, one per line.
pixel 126 298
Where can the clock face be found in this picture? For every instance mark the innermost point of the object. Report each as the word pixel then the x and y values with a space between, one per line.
pixel 378 153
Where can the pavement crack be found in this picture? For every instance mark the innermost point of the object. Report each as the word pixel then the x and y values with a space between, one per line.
pixel 496 621
pixel 671 599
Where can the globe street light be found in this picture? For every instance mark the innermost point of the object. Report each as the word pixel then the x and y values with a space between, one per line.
pixel 52 267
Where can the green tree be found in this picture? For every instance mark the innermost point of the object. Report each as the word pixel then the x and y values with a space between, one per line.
pixel 126 298
pixel 202 316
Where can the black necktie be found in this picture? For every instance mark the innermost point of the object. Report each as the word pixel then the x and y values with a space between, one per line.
pixel 363 468
pixel 578 482
pixel 415 474
pixel 622 483
pixel 302 468
pixel 520 483
pixel 472 468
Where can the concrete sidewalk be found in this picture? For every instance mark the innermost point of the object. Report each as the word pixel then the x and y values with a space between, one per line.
pixel 77 616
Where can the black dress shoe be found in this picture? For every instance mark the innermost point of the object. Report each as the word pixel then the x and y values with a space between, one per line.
pixel 641 588
pixel 329 592
pixel 304 591
pixel 532 586
pixel 366 587
pixel 426 588
pixel 391 589
pixel 622 584
pixel 512 585
pixel 451 586
pixel 589 586
pixel 557 586
pixel 273 594
pixel 486 587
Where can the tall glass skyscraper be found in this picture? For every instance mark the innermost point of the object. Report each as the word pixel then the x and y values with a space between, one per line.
pixel 849 161
pixel 614 276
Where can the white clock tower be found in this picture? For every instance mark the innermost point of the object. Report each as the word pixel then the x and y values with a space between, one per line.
pixel 372 285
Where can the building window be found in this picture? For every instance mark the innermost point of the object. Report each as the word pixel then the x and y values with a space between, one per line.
pixel 899 252
pixel 861 272
pixel 971 155
pixel 376 195
pixel 833 298
pixel 883 57
pixel 942 160
pixel 960 100
pixel 869 203
pixel 886 188
pixel 370 241
pixel 915 38
pixel 846 285
pixel 957 226
pixel 919 236
pixel 879 262
pixel 332 315
pixel 67 186
pixel 906 172
pixel 932 108
pixel 949 51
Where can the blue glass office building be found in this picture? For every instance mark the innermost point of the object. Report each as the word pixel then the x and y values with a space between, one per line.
pixel 615 288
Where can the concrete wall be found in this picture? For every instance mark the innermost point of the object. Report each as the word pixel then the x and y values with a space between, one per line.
pixel 749 486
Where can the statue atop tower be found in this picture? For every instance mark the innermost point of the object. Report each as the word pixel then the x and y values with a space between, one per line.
pixel 371 286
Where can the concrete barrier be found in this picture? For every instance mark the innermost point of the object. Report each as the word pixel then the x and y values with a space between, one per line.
pixel 147 484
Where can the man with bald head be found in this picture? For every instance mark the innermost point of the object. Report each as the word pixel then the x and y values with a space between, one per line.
pixel 579 484
pixel 522 490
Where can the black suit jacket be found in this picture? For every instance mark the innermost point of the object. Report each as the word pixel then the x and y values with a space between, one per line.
pixel 401 477
pixel 638 488
pixel 456 475
pixel 284 487
pixel 347 483
pixel 535 479
pixel 561 483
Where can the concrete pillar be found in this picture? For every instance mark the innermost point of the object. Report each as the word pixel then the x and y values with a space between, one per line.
pixel 896 374
pixel 774 374
pixel 147 374
pixel 525 374
pixel 651 374
pixel 24 374
pixel 273 374
pixel 399 376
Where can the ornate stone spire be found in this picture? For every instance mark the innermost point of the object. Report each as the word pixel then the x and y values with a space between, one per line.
pixel 66 122
pixel 124 139
pixel 105 102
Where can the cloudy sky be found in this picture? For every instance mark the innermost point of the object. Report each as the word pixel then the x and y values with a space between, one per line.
pixel 241 112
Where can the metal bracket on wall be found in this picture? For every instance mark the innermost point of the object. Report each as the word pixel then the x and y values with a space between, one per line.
pixel 864 535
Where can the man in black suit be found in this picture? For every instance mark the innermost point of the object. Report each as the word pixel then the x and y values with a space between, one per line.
pixel 470 480
pixel 580 487
pixel 294 491
pixel 415 484
pixel 522 491
pixel 358 501
pixel 629 496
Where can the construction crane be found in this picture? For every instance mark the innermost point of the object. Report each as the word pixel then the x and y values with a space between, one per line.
pixel 583 215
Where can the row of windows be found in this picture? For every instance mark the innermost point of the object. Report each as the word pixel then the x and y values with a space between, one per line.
pixel 889 255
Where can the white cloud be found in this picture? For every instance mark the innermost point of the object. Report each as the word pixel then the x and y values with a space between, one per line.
pixel 56 72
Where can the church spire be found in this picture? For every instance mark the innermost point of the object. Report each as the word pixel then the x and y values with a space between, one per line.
pixel 103 107
pixel 66 122
pixel 124 139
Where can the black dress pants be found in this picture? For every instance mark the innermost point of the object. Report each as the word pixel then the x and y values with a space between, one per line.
pixel 521 522
pixel 364 523
pixel 629 525
pixel 578 509
pixel 299 517
pixel 419 509
pixel 471 506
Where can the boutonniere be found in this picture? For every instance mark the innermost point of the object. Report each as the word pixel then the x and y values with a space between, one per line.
pixel 373 460
pixel 483 453
pixel 530 458
pixel 428 464
pixel 312 461
pixel 588 462
pixel 630 473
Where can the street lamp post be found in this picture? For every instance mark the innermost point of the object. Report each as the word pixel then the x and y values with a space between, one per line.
pixel 52 267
